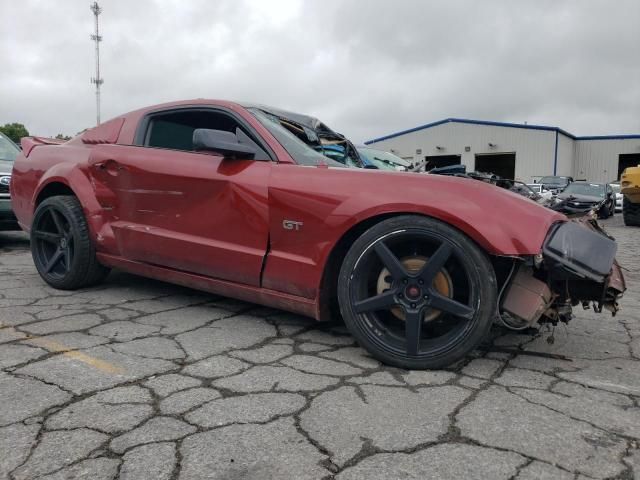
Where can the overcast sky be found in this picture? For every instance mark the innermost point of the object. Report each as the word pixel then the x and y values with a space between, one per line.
pixel 366 67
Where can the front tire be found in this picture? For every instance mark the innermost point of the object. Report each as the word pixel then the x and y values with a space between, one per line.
pixel 417 293
pixel 62 250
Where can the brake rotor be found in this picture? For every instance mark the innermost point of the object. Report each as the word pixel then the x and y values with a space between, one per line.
pixel 442 284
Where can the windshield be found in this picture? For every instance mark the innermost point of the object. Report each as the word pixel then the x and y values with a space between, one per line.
pixel 591 189
pixel 554 180
pixel 383 160
pixel 302 153
pixel 8 149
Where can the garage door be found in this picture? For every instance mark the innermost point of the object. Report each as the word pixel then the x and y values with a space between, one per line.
pixel 626 160
pixel 437 161
pixel 501 164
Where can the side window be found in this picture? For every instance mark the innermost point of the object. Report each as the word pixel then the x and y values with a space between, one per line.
pixel 174 130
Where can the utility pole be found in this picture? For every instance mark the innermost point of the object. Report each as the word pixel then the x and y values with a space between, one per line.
pixel 97 80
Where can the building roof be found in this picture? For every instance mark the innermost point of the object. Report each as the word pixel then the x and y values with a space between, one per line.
pixel 502 124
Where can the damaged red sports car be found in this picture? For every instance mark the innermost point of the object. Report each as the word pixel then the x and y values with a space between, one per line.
pixel 235 199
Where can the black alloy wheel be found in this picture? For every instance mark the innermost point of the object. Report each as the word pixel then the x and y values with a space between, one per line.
pixel 416 292
pixel 53 242
pixel 60 245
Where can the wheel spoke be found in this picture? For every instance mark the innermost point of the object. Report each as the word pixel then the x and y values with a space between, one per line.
pixel 449 305
pixel 57 221
pixel 47 236
pixel 435 263
pixel 413 330
pixel 54 260
pixel 379 302
pixel 67 258
pixel 390 261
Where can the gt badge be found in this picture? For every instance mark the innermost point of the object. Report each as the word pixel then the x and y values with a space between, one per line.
pixel 291 225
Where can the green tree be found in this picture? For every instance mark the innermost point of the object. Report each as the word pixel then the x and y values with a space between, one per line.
pixel 15 131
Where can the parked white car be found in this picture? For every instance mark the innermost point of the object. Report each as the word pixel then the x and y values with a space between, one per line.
pixel 619 196
pixel 540 190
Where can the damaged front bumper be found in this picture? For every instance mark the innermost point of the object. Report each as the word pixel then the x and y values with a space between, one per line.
pixel 577 266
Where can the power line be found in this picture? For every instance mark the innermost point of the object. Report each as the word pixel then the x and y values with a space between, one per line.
pixel 97 80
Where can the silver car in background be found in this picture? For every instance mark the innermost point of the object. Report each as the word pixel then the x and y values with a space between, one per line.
pixel 618 195
pixel 8 153
pixel 540 190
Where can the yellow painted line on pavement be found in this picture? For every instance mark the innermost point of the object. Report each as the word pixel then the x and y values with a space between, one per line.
pixel 68 352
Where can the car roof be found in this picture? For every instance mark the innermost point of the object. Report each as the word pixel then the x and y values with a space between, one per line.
pixel 584 182
pixel 302 119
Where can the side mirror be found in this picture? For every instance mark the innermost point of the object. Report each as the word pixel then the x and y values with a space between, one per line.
pixel 219 141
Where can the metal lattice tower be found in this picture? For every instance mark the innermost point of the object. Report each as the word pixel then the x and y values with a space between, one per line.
pixel 97 80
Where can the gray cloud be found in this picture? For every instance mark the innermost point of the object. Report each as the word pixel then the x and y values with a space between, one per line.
pixel 366 68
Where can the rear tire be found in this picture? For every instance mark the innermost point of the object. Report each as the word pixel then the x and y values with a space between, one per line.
pixel 416 293
pixel 630 213
pixel 61 246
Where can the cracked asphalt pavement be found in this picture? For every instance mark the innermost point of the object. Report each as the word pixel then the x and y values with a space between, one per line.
pixel 137 379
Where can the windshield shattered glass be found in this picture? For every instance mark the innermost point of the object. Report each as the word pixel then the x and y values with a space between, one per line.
pixel 302 153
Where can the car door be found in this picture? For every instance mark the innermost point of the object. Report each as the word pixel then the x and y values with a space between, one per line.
pixel 194 212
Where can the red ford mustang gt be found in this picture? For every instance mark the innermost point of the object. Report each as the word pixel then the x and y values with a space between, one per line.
pixel 235 199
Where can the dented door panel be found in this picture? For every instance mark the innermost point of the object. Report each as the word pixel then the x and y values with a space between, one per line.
pixel 188 211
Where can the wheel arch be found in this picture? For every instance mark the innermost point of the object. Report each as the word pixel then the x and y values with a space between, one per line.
pixel 50 189
pixel 69 179
pixel 328 305
pixel 328 300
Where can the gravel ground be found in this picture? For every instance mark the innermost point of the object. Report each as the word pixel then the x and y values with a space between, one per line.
pixel 138 379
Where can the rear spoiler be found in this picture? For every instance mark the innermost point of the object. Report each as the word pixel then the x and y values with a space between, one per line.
pixel 28 143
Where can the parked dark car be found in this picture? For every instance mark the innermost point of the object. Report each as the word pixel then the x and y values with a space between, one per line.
pixel 555 184
pixel 582 197
pixel 8 153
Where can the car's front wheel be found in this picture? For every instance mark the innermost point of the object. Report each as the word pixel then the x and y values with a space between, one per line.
pixel 62 250
pixel 417 293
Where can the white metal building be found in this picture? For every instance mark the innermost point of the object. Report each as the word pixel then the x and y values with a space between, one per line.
pixel 512 150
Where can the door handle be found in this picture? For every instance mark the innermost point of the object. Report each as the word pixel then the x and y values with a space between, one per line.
pixel 110 166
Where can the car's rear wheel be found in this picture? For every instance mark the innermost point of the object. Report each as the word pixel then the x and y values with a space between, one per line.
pixel 62 250
pixel 417 293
